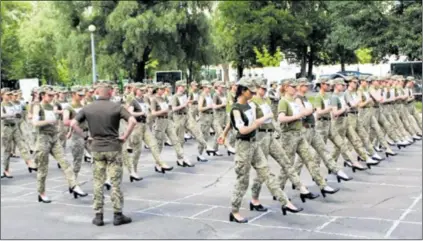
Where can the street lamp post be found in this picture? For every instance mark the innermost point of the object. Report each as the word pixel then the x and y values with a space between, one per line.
pixel 91 28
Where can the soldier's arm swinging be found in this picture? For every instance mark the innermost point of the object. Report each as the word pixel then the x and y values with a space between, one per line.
pixel 38 123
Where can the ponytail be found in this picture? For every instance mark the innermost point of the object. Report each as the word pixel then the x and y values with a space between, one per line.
pixel 40 96
pixel 240 89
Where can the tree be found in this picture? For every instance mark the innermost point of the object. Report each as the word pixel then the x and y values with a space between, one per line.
pixel 266 59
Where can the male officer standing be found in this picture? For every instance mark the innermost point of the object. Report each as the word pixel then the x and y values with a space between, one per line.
pixel 103 117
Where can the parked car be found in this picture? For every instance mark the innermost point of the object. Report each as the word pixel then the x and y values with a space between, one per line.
pixel 340 74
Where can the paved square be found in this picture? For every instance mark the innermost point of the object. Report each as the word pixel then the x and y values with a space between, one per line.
pixel 194 203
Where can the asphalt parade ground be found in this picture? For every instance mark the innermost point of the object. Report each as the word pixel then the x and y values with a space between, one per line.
pixel 194 203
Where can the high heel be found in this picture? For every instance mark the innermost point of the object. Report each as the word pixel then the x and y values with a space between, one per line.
pixel 58 166
pixel 359 159
pixel 258 208
pixel 285 209
pixel 30 169
pixel 201 160
pixel 40 199
pixel 275 198
pixel 132 178
pixel 339 178
pixel 129 150
pixel 70 190
pixel 87 159
pixel 179 164
pixel 390 154
pixel 357 168
pixel 6 176
pixel 324 192
pixel 233 219
pixel 108 186
pixel 401 146
pixel 372 164
pixel 293 187
pixel 348 163
pixel 167 168
pixel 167 144
pixel 187 165
pixel 159 171
pixel 231 153
pixel 212 152
pixel 309 195
pixel 76 194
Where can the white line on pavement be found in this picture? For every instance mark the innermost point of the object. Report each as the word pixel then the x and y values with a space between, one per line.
pixel 326 224
pixel 204 211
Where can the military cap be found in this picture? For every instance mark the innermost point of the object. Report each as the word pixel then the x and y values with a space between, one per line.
pixel 289 81
pixel 167 85
pixel 4 90
pixel 303 81
pixel 180 83
pixel 362 78
pixel 150 85
pixel 205 83
pixel 220 83
pixel 16 92
pixel 193 83
pixel 322 80
pixel 138 85
pixel 47 89
pixel 379 78
pixel 248 83
pixel 261 82
pixel 105 83
pixel 337 81
pixel 79 90
pixel 410 79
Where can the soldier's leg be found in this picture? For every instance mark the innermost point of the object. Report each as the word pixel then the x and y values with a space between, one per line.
pixel 242 168
pixel 177 145
pixel 115 170
pixel 387 127
pixel 151 141
pixel 319 145
pixel 131 162
pixel 57 152
pixel 380 135
pixel 364 137
pixel 179 121
pixel 303 150
pixel 205 124
pixel 159 133
pixel 355 141
pixel 128 160
pixel 77 149
pixel 264 140
pixel 6 139
pixel 99 177
pixel 42 151
pixel 218 131
pixel 192 126
pixel 289 141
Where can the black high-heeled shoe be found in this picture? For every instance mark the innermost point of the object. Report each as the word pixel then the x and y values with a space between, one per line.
pixel 360 160
pixel 275 199
pixel 211 152
pixel 179 164
pixel 401 146
pixel 6 176
pixel 187 164
pixel 201 160
pixel 70 190
pixel 329 172
pixel 324 192
pixel 108 186
pixel 357 168
pixel 159 171
pixel 78 194
pixel 87 159
pixel 58 166
pixel 258 208
pixel 132 178
pixel 231 153
pixel 372 164
pixel 293 187
pixel 233 219
pixel 130 150
pixel 348 163
pixel 339 178
pixel 167 144
pixel 40 199
pixel 31 152
pixel 167 168
pixel 287 209
pixel 390 154
pixel 30 169
pixel 309 195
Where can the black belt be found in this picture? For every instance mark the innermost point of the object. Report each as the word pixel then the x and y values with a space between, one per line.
pixel 308 126
pixel 208 112
pixel 324 118
pixel 343 115
pixel 181 113
pixel 250 139
pixel 266 130
pixel 162 117
pixel 85 129
pixel 411 101
pixel 9 124
pixel 353 112
pixel 195 102
pixel 376 107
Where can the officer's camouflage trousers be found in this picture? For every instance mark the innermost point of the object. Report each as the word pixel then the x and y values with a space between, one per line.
pixel 271 146
pixel 354 138
pixel 363 128
pixel 339 126
pixel 141 133
pixel 400 126
pixel 50 144
pixel 77 149
pixel 63 131
pixel 416 114
pixel 185 123
pixel 206 122
pixel 250 154
pixel 9 135
pixel 386 124
pixel 403 115
pixel 414 121
pixel 387 111
pixel 295 142
pixel 110 162
pixel 165 127
pixel 318 152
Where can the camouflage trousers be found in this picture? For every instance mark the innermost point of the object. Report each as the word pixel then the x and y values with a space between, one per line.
pixel 110 162
pixel 206 122
pixel 164 127
pixel 339 126
pixel 77 150
pixel 318 152
pixel 141 133
pixel 50 144
pixel 388 113
pixel 185 123
pixel 9 135
pixel 193 111
pixel 63 131
pixel 324 127
pixel 250 154
pixel 354 138
pixel 376 132
pixel 414 121
pixel 363 128
pixel 271 146
pixel 396 118
pixel 219 121
pixel 386 124
pixel 403 115
pixel 415 114
pixel 232 132
pixel 296 142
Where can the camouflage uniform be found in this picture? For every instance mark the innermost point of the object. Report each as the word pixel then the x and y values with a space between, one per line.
pixel 48 143
pixel 219 114
pixel 206 117
pixel 249 154
pixel 364 118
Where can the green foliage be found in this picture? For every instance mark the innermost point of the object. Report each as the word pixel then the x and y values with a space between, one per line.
pixel 266 59
pixel 364 55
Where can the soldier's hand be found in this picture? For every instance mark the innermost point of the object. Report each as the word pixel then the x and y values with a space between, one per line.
pixel 52 122
pixel 221 140
pixel 68 136
pixel 122 139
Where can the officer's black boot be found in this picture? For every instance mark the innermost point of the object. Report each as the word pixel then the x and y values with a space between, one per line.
pixel 98 220
pixel 120 219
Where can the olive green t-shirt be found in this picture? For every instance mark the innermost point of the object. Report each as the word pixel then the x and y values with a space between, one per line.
pixel 335 100
pixel 177 100
pixel 47 113
pixel 8 108
pixel 322 102
pixel 245 119
pixel 310 118
pixel 263 105
pixel 285 106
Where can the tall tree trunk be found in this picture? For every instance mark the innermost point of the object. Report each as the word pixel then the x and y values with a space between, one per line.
pixel 190 70
pixel 342 59
pixel 140 65
pixel 239 70
pixel 225 68
pixel 310 63
pixel 303 61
